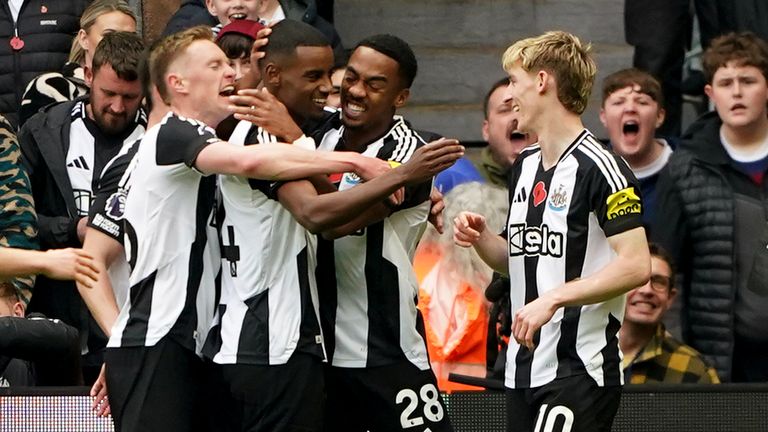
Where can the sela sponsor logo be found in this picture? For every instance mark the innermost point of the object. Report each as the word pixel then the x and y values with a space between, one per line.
pixel 539 193
pixel 532 241
pixel 623 202
pixel 558 199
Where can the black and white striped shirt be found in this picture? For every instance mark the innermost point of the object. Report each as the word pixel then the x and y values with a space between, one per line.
pixel 368 289
pixel 559 222
pixel 268 307
pixel 170 239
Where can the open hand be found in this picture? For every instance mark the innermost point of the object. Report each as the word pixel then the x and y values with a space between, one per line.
pixel 262 108
pixel 432 158
pixel 467 228
pixel 70 264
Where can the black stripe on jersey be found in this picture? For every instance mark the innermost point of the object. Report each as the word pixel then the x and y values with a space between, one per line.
pixel 325 273
pixel 253 344
pixel 309 328
pixel 611 363
pixel 569 362
pixel 135 333
pixel 534 218
pixel 383 307
pixel 213 340
pixel 183 330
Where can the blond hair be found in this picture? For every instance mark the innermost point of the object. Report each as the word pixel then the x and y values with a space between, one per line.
pixel 168 50
pixel 563 55
pixel 88 19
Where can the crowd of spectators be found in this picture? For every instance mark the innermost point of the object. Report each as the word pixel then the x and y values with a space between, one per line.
pixel 71 91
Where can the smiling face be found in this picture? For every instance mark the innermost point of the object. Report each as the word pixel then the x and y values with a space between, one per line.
pixel 740 95
pixel 647 304
pixel 371 90
pixel 522 95
pixel 301 82
pixel 228 10
pixel 631 118
pixel 500 129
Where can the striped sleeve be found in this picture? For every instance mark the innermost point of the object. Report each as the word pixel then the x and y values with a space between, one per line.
pixel 399 149
pixel 614 191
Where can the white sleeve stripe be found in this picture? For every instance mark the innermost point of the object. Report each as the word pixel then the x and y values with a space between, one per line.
pixel 611 161
pixel 609 170
pixel 400 149
pixel 600 164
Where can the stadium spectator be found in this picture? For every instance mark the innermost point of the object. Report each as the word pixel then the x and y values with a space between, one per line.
pixel 451 287
pixel 573 244
pixel 35 350
pixel 64 149
pixel 337 74
pixel 651 354
pixel 711 212
pixel 153 369
pixel 35 37
pixel 236 40
pixel 220 12
pixel 99 18
pixel 18 220
pixel 632 111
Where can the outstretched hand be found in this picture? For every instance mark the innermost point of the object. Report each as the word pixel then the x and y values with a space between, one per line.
pixel 432 158
pixel 467 228
pixel 70 264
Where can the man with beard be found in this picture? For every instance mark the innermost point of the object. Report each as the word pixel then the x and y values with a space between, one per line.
pixel 267 341
pixel 64 149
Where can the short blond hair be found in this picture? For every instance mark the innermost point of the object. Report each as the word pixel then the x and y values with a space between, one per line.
pixel 563 55
pixel 170 49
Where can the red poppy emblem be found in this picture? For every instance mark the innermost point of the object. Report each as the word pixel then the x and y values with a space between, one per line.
pixel 43 9
pixel 539 193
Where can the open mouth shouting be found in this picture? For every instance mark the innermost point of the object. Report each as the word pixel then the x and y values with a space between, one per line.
pixel 228 90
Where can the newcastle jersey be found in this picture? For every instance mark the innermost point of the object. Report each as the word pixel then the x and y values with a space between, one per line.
pixel 108 210
pixel 170 239
pixel 559 222
pixel 368 290
pixel 268 300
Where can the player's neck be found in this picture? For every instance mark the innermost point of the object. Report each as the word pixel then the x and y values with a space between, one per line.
pixel 556 134
pixel 634 337
pixel 357 139
pixel 191 113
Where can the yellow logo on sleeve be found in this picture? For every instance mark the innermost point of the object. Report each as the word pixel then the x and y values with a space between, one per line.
pixel 622 203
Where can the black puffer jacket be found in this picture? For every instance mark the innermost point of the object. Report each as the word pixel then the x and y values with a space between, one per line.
pixel 696 223
pixel 46 29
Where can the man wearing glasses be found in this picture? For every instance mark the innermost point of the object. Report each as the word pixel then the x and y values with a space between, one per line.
pixel 651 354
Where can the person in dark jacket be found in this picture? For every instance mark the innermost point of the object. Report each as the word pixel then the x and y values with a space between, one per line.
pixel 64 150
pixel 712 212
pixel 35 37
pixel 194 12
pixel 35 350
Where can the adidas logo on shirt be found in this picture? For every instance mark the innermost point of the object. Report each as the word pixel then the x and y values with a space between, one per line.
pixel 79 162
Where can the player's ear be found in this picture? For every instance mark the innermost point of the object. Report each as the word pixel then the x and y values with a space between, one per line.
pixel 271 74
pixel 402 97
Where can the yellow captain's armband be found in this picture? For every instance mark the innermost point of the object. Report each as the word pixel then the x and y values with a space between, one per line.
pixel 622 203
pixel 394 164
